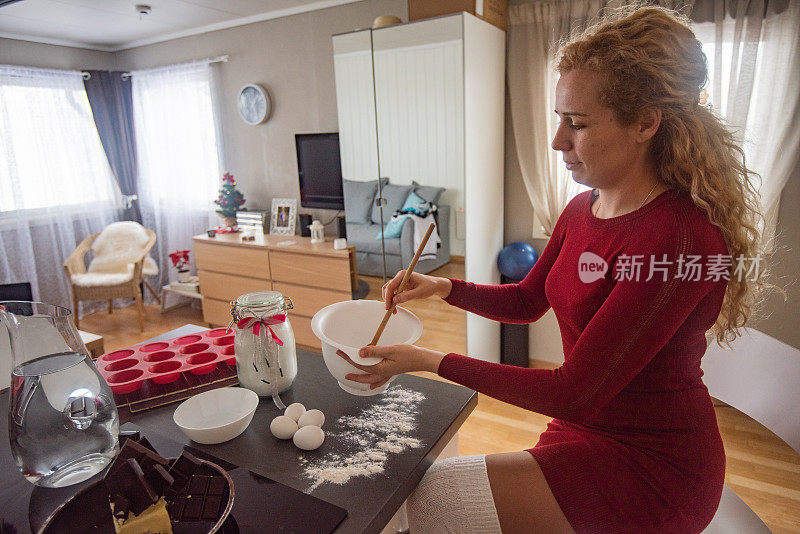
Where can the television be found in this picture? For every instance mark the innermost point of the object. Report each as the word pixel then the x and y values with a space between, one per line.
pixel 319 167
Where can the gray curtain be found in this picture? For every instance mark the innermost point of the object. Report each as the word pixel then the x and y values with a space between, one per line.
pixel 111 100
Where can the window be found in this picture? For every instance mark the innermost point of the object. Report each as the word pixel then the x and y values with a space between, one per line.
pixel 176 137
pixel 754 85
pixel 179 154
pixel 718 90
pixel 51 155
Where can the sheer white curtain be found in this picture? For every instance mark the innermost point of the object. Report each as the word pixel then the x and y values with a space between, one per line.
pixel 534 30
pixel 179 154
pixel 754 74
pixel 56 186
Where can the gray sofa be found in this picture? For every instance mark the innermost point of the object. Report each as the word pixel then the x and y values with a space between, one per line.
pixel 363 227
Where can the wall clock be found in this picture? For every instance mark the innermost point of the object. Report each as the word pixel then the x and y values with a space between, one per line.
pixel 254 104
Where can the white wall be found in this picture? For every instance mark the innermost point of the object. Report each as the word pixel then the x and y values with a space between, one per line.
pixel 293 58
pixel 13 52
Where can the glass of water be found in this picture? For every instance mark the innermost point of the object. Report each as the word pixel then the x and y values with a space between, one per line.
pixel 62 420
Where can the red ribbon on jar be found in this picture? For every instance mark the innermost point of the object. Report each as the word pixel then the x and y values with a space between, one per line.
pixel 247 322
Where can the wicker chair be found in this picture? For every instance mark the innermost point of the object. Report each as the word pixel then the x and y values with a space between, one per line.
pixel 119 286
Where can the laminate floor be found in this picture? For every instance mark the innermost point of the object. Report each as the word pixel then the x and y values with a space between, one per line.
pixel 761 468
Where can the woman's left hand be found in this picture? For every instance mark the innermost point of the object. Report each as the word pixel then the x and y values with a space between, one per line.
pixel 396 359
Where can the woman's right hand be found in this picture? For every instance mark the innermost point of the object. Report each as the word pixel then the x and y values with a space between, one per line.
pixel 419 286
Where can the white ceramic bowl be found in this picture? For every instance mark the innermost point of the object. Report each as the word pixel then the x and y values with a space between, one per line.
pixel 350 325
pixel 217 415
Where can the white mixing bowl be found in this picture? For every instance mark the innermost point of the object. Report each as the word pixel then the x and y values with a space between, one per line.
pixel 217 415
pixel 350 325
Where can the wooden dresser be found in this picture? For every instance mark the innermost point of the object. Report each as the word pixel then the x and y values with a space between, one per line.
pixel 312 275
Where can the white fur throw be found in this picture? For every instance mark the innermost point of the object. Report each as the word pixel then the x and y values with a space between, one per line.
pixel 101 279
pixel 117 247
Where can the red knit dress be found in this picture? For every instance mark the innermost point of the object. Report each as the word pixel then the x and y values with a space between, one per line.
pixel 634 444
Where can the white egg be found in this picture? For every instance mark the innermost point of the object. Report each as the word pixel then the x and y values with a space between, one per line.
pixel 295 411
pixel 311 417
pixel 309 437
pixel 283 427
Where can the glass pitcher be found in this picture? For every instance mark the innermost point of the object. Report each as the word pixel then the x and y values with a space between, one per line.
pixel 62 420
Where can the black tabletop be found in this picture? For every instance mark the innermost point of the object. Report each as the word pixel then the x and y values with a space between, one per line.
pixel 370 501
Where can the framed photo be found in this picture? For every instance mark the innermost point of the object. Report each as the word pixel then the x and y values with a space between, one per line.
pixel 284 213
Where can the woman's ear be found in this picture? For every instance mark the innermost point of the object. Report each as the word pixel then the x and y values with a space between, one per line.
pixel 649 122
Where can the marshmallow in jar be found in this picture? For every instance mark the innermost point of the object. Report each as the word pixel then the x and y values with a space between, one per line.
pixel 266 357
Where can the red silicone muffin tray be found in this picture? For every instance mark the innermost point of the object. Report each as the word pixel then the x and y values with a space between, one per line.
pixel 163 362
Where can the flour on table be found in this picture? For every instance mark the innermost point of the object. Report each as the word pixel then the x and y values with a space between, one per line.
pixel 369 438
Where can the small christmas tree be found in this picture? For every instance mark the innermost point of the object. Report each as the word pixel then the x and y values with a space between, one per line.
pixel 230 199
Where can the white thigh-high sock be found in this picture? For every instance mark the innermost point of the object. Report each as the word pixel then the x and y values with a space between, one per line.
pixel 454 497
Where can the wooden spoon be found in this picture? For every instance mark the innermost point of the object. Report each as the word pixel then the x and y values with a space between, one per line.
pixel 402 284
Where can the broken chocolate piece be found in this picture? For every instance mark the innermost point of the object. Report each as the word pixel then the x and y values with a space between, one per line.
pixel 146 444
pixel 160 479
pixel 139 477
pixel 202 499
pixel 145 457
pixel 121 507
pixel 183 468
pixel 127 482
pixel 135 435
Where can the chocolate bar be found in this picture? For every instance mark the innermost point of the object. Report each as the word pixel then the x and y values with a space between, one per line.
pixel 129 434
pixel 162 481
pixel 146 458
pixel 135 436
pixel 127 483
pixel 146 444
pixel 183 468
pixel 202 500
pixel 146 489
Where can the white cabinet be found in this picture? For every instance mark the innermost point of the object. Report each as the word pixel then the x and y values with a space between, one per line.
pixel 424 101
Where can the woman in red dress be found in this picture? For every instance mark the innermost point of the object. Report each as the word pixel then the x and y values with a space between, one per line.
pixel 637 271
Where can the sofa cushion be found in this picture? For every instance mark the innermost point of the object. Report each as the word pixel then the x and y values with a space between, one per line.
pixel 366 238
pixel 358 200
pixel 395 196
pixel 394 228
pixel 429 193
pixel 416 204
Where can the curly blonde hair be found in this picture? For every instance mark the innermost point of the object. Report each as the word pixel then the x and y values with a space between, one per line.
pixel 649 58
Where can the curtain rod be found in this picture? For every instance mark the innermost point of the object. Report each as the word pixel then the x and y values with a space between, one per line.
pixel 44 70
pixel 218 59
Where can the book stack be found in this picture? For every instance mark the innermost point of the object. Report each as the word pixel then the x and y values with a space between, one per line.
pixel 253 220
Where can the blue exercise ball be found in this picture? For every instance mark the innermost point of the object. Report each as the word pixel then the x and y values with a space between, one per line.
pixel 516 260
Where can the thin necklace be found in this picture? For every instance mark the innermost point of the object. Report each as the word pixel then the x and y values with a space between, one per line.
pixel 600 202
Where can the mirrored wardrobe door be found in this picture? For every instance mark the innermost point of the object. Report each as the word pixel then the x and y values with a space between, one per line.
pixel 355 101
pixel 358 136
pixel 419 92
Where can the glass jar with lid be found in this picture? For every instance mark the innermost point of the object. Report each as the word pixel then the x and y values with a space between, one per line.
pixel 266 357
